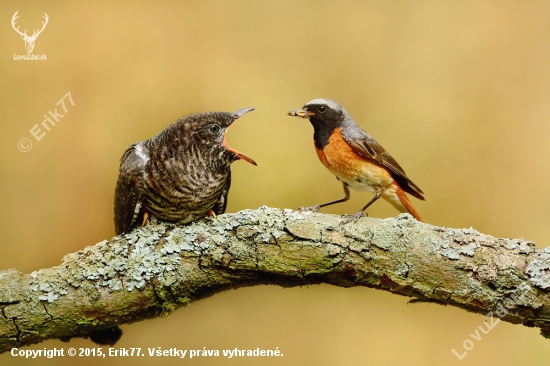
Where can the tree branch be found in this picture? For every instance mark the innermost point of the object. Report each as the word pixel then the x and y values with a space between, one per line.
pixel 153 270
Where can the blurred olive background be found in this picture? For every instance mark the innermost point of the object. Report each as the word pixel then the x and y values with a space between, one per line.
pixel 457 91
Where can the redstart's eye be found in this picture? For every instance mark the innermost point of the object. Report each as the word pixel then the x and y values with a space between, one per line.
pixel 214 129
pixel 322 109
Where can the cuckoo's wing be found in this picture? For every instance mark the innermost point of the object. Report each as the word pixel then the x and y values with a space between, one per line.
pixel 130 187
pixel 367 147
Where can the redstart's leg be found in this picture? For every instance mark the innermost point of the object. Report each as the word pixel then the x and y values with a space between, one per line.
pixel 360 213
pixel 317 207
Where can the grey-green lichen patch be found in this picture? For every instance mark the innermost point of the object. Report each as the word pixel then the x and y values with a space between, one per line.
pixel 335 237
pixel 128 262
pixel 436 244
pixel 451 243
pixel 486 273
pixel 450 253
pixel 468 249
pixel 278 241
pixel 527 296
pixel 405 219
pixel 8 293
pixel 539 270
pixel 400 254
pixel 401 269
pixel 509 278
pixel 131 260
pixel 266 224
pixel 187 239
pixel 391 231
pixel 245 232
pixel 523 246
pixel 358 233
pixel 455 242
pixel 304 230
pixel 333 250
pixel 265 238
pixel 357 246
pixel 48 284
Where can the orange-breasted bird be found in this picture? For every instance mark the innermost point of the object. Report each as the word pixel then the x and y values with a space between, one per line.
pixel 357 160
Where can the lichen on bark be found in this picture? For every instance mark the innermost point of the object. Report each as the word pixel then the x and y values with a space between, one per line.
pixel 156 269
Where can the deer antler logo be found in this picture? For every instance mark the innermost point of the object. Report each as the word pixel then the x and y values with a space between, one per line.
pixel 29 40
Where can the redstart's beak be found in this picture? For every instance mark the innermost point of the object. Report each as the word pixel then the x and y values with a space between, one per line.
pixel 236 115
pixel 302 113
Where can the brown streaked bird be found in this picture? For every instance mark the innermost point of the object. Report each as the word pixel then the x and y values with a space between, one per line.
pixel 357 160
pixel 180 175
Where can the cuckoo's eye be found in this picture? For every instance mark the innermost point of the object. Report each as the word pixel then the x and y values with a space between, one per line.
pixel 322 109
pixel 214 129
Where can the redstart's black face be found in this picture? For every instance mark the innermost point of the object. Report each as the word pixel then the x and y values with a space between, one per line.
pixel 325 115
pixel 321 112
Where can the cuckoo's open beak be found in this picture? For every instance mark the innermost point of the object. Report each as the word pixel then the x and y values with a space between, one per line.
pixel 236 115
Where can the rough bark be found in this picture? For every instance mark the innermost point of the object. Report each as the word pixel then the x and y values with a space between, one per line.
pixel 154 270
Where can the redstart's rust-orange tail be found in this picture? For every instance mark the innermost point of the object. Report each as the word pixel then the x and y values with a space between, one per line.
pixel 405 201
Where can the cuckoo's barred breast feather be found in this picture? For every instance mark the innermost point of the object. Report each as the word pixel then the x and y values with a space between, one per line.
pixel 179 175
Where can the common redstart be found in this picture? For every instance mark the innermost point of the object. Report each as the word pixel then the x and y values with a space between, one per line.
pixel 357 160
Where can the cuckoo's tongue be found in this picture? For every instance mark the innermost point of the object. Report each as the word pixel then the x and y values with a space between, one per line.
pixel 236 115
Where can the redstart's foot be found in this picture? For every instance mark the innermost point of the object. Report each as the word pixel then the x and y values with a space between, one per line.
pixel 350 218
pixel 310 209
